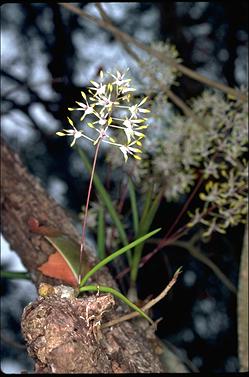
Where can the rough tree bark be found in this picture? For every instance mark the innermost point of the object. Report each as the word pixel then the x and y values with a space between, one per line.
pixel 59 328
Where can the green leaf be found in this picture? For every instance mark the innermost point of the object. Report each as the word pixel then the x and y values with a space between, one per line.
pixel 133 200
pixel 146 206
pixel 70 250
pixel 117 294
pixel 146 221
pixel 106 199
pixel 116 254
pixel 101 233
pixel 15 275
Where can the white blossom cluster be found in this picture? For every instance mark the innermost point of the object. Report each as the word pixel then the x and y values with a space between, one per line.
pixel 153 70
pixel 225 168
pixel 115 118
pixel 178 150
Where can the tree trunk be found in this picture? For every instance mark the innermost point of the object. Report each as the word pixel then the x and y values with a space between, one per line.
pixel 62 332
pixel 243 306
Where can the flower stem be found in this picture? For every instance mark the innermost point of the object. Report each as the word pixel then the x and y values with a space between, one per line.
pixel 184 208
pixel 83 236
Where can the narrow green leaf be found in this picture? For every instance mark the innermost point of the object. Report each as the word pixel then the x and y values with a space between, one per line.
pixel 117 294
pixel 116 254
pixel 15 275
pixel 106 199
pixel 133 205
pixel 143 228
pixel 146 206
pixel 147 221
pixel 101 233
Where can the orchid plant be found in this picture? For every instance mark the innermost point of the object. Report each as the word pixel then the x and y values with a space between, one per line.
pixel 110 116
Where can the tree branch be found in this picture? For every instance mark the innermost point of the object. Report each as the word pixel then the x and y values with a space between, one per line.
pixel 196 253
pixel 125 347
pixel 243 306
pixel 173 97
pixel 186 71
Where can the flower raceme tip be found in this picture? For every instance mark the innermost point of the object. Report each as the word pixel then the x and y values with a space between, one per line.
pixel 115 119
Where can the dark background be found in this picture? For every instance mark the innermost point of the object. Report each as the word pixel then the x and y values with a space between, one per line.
pixel 47 56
